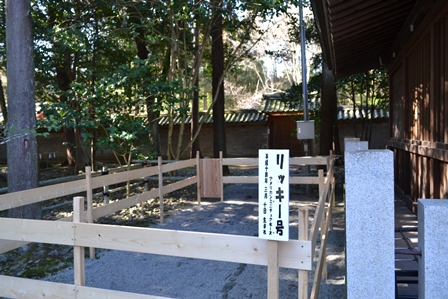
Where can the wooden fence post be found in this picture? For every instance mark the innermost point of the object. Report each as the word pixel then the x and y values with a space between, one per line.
pixel 89 204
pixel 159 167
pixel 78 251
pixel 199 176
pixel 320 174
pixel 221 174
pixel 303 235
pixel 105 171
pixel 273 270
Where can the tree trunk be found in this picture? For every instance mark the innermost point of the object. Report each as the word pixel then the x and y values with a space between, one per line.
pixel 195 103
pixel 152 116
pixel 328 110
pixel 219 131
pixel 22 147
pixel 3 109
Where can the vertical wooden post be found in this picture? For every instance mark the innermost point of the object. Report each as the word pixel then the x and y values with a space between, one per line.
pixel 273 270
pixel 199 176
pixel 89 204
pixel 333 201
pixel 303 235
pixel 105 171
pixel 221 185
pixel 159 167
pixel 78 251
pixel 320 174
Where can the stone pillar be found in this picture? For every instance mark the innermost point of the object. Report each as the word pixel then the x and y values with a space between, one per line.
pixel 433 264
pixel 353 144
pixel 369 204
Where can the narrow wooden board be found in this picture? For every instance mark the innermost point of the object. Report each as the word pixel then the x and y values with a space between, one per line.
pixel 273 270
pixel 13 287
pixel 240 161
pixel 21 198
pixel 55 232
pixel 179 185
pixel 211 178
pixel 119 177
pixel 254 180
pixel 293 254
pixel 318 160
pixel 178 165
pixel 240 180
pixel 221 247
pixel 118 205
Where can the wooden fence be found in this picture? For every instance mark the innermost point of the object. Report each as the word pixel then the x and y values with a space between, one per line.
pixel 79 230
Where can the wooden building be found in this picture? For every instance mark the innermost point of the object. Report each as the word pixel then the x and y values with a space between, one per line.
pixel 410 38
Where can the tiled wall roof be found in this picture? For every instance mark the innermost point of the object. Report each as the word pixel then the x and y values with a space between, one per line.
pixel 276 104
pixel 236 116
pixel 348 113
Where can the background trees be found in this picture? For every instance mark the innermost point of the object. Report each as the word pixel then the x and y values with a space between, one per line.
pixel 145 56
pixel 106 70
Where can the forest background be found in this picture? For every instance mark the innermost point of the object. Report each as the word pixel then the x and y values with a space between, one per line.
pixel 104 71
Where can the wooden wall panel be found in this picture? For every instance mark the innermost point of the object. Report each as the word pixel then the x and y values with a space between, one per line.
pixel 421 155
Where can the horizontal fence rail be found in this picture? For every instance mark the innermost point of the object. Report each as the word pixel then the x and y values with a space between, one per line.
pixel 79 230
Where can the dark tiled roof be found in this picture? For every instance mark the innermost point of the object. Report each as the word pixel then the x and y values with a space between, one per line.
pixel 276 104
pixel 231 117
pixel 348 113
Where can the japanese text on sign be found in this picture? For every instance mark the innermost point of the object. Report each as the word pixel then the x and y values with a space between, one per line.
pixel 273 194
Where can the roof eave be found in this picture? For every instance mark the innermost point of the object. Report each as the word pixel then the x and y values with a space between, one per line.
pixel 320 10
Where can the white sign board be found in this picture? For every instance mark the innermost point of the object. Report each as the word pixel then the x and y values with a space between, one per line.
pixel 273 194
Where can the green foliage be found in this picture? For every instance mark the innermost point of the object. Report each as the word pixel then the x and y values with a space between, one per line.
pixel 364 89
pixel 88 75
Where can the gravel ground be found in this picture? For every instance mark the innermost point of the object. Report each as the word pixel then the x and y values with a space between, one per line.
pixel 202 279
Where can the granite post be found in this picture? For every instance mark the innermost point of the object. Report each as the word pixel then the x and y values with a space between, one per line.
pixel 353 144
pixel 433 264
pixel 369 204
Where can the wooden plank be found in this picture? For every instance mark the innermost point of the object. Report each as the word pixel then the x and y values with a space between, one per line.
pixel 161 188
pixel 319 160
pixel 178 165
pixel 179 185
pixel 229 248
pixel 89 212
pixel 78 251
pixel 211 170
pixel 7 245
pixel 13 287
pixel 119 177
pixel 304 180
pixel 240 161
pixel 54 232
pixel 254 180
pixel 320 209
pixel 221 175
pixel 321 261
pixel 240 180
pixel 124 203
pixel 21 198
pixel 303 235
pixel 88 292
pixel 273 270
pixel 221 247
pixel 198 178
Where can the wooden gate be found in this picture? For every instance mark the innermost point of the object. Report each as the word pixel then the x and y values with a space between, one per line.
pixel 211 178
